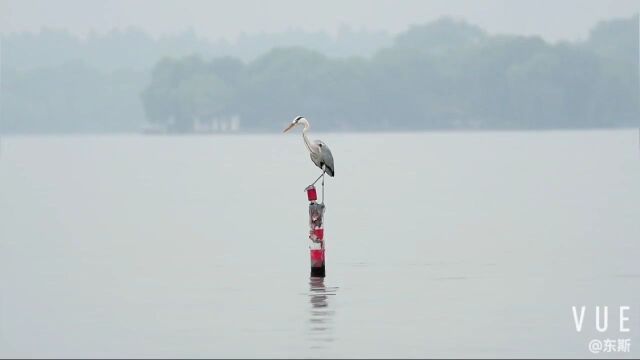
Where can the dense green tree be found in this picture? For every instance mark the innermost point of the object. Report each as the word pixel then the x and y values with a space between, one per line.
pixel 442 75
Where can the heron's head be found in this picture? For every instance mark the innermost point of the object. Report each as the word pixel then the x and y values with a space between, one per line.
pixel 295 122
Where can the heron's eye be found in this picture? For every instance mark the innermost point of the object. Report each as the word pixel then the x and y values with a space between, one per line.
pixel 320 145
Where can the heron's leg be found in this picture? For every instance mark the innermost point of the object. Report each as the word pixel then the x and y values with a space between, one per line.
pixel 313 183
pixel 323 187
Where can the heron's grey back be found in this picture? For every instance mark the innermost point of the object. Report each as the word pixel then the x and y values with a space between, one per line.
pixel 327 159
pixel 321 155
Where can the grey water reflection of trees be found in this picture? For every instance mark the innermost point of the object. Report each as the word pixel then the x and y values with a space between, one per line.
pixel 321 314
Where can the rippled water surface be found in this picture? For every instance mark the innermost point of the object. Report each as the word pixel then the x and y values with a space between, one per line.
pixel 438 244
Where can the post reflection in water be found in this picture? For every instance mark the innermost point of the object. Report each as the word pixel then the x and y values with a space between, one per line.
pixel 320 314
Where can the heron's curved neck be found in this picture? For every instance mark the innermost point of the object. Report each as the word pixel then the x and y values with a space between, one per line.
pixel 304 133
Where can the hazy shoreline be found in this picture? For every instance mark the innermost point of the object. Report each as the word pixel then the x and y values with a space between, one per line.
pixel 346 132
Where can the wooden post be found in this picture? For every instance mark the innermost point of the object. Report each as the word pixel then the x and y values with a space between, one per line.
pixel 316 233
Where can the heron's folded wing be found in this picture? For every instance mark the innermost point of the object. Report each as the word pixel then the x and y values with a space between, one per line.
pixel 327 160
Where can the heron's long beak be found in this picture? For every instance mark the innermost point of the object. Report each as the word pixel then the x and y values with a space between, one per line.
pixel 288 128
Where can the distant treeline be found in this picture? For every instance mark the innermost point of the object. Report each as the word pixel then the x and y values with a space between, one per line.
pixel 53 81
pixel 442 75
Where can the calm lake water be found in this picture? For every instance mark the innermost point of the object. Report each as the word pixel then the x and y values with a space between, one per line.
pixel 438 245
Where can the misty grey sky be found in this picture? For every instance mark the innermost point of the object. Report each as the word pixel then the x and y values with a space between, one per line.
pixel 553 20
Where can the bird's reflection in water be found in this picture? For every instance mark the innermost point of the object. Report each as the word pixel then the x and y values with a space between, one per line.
pixel 321 314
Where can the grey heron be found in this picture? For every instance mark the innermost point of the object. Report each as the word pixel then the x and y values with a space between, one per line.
pixel 318 150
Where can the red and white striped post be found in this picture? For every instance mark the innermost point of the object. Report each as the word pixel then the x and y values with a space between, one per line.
pixel 316 233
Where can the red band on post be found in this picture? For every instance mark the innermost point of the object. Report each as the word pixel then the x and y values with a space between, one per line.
pixel 311 193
